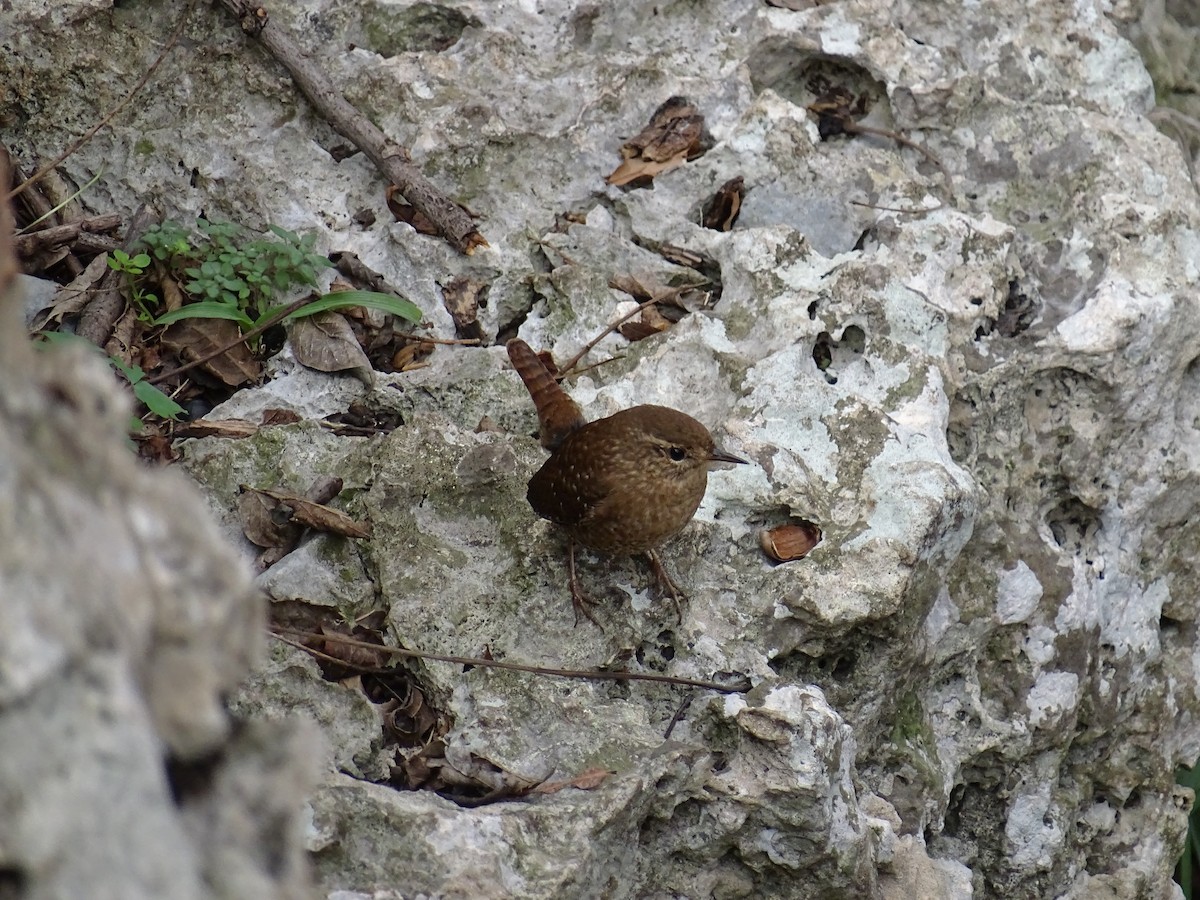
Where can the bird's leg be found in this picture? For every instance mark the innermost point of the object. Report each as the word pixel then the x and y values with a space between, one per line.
pixel 668 586
pixel 579 600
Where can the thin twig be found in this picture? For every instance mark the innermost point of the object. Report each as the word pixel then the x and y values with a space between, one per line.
pixel 428 340
pixel 454 224
pixel 899 209
pixel 678 717
pixel 90 133
pixel 278 633
pixel 590 345
pixel 249 335
pixel 855 128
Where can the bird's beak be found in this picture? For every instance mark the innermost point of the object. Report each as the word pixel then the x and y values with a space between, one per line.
pixel 720 456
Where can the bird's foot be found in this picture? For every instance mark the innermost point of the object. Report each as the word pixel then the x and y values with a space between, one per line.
pixel 580 601
pixel 667 585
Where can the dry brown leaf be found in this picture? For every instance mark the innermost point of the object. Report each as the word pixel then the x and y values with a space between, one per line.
pixel 462 298
pixel 155 446
pixel 628 284
pixel 192 338
pixel 584 781
pixel 275 416
pixel 302 511
pixel 260 523
pixel 411 356
pixel 172 296
pixel 326 342
pixel 410 215
pixel 123 340
pixel 785 543
pixel 673 136
pixel 225 428
pixel 723 208
pixel 74 296
pixel 352 655
pixel 649 323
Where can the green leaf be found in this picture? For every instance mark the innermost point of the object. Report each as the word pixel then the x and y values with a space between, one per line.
pixel 289 236
pixel 133 373
pixel 156 401
pixel 141 260
pixel 205 310
pixel 60 338
pixel 397 306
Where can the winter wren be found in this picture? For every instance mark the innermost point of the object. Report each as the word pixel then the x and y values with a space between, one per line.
pixel 625 484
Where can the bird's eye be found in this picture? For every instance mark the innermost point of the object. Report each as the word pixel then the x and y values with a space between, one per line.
pixel 677 453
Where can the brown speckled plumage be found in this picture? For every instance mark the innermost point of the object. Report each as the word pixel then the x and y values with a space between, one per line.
pixel 614 486
pixel 625 484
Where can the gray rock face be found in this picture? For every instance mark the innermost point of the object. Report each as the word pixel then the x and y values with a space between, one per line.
pixel 124 623
pixel 976 371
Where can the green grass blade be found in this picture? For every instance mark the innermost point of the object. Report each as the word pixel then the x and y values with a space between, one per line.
pixel 345 299
pixel 206 309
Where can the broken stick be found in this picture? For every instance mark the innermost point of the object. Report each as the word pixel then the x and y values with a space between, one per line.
pixel 389 157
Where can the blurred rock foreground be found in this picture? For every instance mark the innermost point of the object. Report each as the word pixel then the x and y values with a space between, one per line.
pixel 980 379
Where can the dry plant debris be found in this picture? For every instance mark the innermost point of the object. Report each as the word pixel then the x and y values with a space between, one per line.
pixel 786 543
pixel 723 208
pixel 675 135
pixel 276 520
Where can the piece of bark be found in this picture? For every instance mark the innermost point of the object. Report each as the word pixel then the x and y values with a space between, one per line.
pixel 223 428
pixel 389 157
pixel 35 206
pixel 56 236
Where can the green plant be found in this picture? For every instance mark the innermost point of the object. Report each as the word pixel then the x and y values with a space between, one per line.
pixel 231 274
pixel 154 399
pixel 134 267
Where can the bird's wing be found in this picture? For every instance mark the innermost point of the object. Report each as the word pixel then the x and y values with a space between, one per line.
pixel 563 492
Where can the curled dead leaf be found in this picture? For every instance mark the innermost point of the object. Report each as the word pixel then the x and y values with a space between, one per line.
pixel 585 781
pixel 463 297
pixel 225 428
pixel 413 355
pixel 259 523
pixel 785 543
pixel 409 214
pixel 326 342
pixel 723 208
pixel 674 135
pixel 302 511
pixel 353 655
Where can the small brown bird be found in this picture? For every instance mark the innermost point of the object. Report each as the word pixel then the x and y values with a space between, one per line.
pixel 625 484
